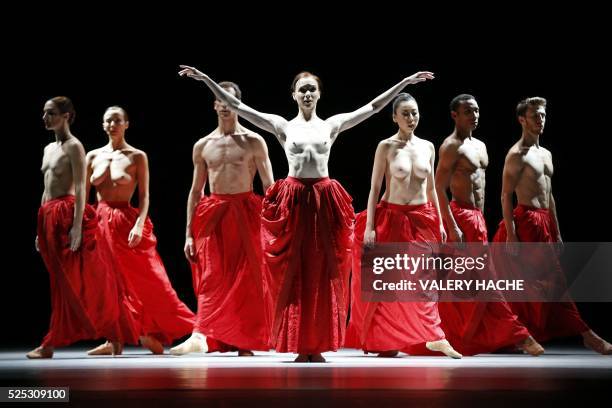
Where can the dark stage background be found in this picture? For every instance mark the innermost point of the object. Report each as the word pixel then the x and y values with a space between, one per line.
pixel 168 114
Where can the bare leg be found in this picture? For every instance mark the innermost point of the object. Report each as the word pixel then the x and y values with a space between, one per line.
pixel 40 352
pixel 530 346
pixel 596 343
pixel 194 344
pixel 152 344
pixel 443 346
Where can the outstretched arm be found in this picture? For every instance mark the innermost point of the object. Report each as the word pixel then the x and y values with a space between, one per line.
pixel 270 123
pixel 344 121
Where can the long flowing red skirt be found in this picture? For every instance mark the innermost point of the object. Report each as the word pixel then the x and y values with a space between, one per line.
pixel 87 301
pixel 478 327
pixel 164 316
pixel 383 326
pixel 228 273
pixel 544 320
pixel 307 231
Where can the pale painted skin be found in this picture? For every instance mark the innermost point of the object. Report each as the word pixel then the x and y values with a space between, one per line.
pixel 462 165
pixel 306 139
pixel 528 171
pixel 117 168
pixel 406 163
pixel 227 158
pixel 63 168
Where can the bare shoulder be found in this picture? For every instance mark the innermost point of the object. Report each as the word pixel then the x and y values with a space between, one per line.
pixel 138 154
pixel 93 153
pixel 546 151
pixel 387 144
pixel 205 140
pixel 74 145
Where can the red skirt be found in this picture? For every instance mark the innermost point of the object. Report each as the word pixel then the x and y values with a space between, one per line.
pixel 307 232
pixel 87 302
pixel 164 316
pixel 228 273
pixel 384 326
pixel 544 320
pixel 478 327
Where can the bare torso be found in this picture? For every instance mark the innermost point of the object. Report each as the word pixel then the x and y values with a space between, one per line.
pixel 57 170
pixel 229 160
pixel 467 183
pixel 307 147
pixel 116 172
pixel 407 167
pixel 534 183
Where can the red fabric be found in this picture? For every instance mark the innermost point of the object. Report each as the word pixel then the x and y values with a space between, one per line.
pixel 164 316
pixel 86 300
pixel 544 320
pixel 383 326
pixel 228 274
pixel 307 230
pixel 478 327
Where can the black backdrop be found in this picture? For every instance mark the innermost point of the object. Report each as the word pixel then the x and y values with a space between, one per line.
pixel 168 114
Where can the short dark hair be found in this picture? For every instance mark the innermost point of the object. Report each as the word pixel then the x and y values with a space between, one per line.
pixel 403 97
pixel 65 105
pixel 234 86
pixel 533 102
pixel 458 100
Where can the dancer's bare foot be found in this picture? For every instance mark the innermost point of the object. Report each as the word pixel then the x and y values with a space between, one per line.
pixel 152 344
pixel 388 353
pixel 301 358
pixel 316 358
pixel 40 352
pixel 531 346
pixel 194 344
pixel 444 347
pixel 116 348
pixel 245 353
pixel 104 349
pixel 596 343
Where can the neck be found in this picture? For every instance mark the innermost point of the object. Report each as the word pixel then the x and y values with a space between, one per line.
pixel 307 115
pixel 117 143
pixel 63 134
pixel 228 126
pixel 405 136
pixel 530 139
pixel 463 133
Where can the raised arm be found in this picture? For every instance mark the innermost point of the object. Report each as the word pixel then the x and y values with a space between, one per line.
pixel 446 166
pixel 200 174
pixel 142 178
pixel 270 123
pixel 344 121
pixel 378 173
pixel 76 153
pixel 431 191
pixel 513 167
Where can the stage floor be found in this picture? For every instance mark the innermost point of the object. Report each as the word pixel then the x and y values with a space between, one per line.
pixel 562 375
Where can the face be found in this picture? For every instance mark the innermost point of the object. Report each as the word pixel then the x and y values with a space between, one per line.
pixel 222 110
pixel 534 120
pixel 114 123
pixel 52 117
pixel 406 116
pixel 307 93
pixel 466 116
